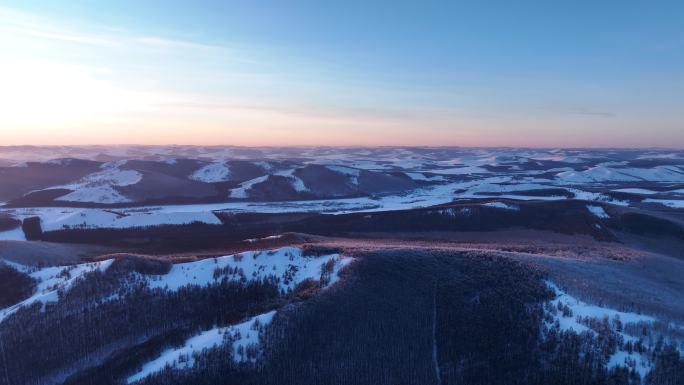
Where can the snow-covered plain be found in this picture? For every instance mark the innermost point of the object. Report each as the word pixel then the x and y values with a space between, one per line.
pixel 13 235
pixel 55 218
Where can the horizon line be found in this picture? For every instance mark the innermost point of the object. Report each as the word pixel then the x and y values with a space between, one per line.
pixel 349 146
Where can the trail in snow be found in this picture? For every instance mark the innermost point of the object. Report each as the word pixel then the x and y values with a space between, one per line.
pixel 435 360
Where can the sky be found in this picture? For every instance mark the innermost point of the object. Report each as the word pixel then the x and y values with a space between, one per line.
pixel 458 73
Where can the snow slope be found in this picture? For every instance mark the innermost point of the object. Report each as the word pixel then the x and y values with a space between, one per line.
pixel 295 181
pixel 241 336
pixel 99 187
pixel 242 191
pixel 583 309
pixel 598 211
pixel 288 265
pixel 51 280
pixel 352 173
pixel 580 312
pixel 212 173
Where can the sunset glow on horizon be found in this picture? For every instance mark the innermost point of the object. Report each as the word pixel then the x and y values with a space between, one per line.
pixel 434 74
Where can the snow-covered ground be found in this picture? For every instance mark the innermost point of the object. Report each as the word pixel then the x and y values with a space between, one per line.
pixel 100 187
pixel 598 211
pixel 423 177
pixel 352 173
pixel 243 190
pixel 244 338
pixel 212 173
pixel 447 174
pixel 54 218
pixel 641 191
pixel 673 203
pixel 609 173
pixel 572 314
pixel 297 184
pixel 498 187
pixel 583 309
pixel 502 205
pixel 51 280
pixel 13 235
pixel 288 265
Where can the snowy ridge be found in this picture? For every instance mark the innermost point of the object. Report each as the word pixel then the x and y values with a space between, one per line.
pixel 51 280
pixel 244 338
pixel 287 265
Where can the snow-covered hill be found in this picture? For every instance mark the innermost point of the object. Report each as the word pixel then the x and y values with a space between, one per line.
pixel 179 185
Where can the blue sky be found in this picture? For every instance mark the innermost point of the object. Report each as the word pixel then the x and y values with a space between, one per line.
pixel 527 73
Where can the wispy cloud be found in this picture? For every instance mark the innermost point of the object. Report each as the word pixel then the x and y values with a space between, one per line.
pixel 569 109
pixel 22 24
